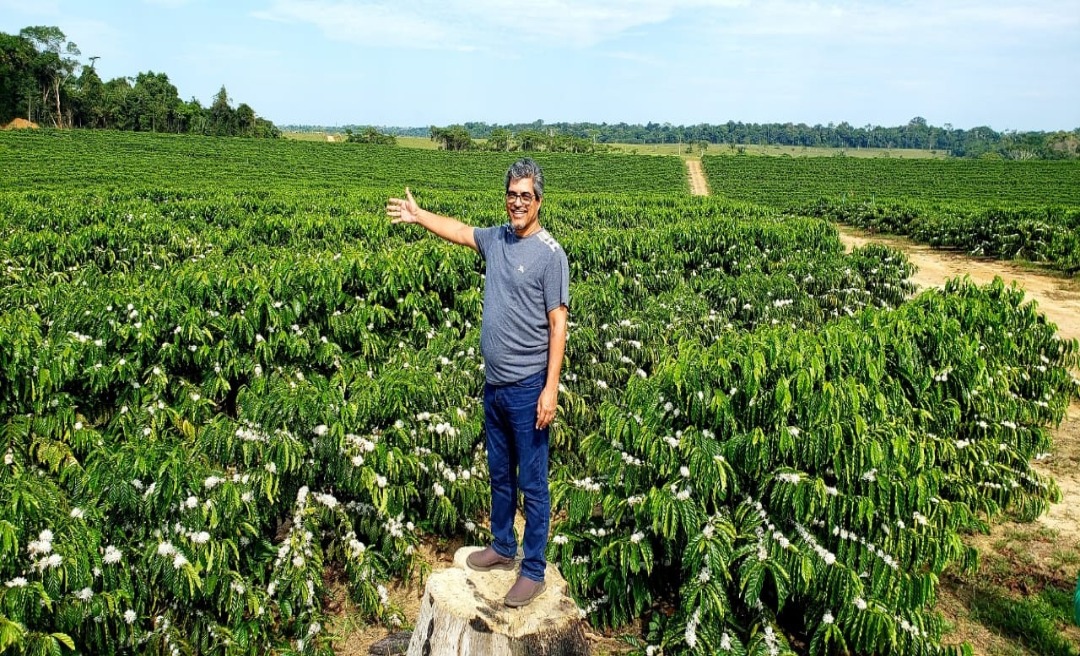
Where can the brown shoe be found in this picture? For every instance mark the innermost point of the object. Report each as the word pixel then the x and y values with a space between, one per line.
pixel 523 592
pixel 487 559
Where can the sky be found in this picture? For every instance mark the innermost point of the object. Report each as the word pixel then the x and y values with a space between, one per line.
pixel 964 63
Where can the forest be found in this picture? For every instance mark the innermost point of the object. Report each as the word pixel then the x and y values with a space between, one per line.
pixel 42 81
pixel 977 142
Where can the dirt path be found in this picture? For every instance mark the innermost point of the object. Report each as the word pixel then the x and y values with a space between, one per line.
pixel 1057 298
pixel 698 186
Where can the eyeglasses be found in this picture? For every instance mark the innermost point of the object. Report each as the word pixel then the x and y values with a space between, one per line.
pixel 526 198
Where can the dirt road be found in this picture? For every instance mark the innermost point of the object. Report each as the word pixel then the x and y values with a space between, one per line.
pixel 1058 298
pixel 698 185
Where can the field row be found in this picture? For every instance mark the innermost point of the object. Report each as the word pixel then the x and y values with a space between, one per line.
pixel 1046 235
pixel 83 159
pixel 794 182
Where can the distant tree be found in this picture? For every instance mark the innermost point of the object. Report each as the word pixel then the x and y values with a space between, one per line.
pixel 531 139
pixel 455 137
pixel 245 120
pixel 1063 145
pixel 222 116
pixel 498 139
pixel 89 100
pixel 119 109
pixel 158 102
pixel 266 129
pixel 18 83
pixel 371 136
pixel 51 67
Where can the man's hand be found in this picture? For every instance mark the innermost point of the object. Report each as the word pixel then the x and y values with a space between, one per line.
pixel 403 210
pixel 545 407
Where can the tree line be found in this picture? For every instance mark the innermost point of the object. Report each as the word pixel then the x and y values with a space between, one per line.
pixel 43 81
pixel 460 137
pixel 917 133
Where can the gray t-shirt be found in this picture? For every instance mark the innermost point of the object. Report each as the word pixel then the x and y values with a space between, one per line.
pixel 526 279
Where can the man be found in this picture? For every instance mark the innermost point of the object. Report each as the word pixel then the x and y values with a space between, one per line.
pixel 522 339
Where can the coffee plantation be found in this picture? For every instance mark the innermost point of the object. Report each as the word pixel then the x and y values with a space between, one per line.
pixel 217 402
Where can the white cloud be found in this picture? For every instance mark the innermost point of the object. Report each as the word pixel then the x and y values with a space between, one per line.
pixel 918 20
pixel 481 24
pixel 1050 15
pixel 634 57
pixel 365 23
pixel 567 22
pixel 171 4
pixel 40 8
pixel 232 52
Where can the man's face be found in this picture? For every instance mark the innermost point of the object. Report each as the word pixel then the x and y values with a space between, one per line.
pixel 523 215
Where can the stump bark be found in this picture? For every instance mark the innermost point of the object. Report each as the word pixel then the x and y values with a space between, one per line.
pixel 462 614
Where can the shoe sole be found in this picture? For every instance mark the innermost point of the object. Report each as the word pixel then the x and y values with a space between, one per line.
pixel 515 603
pixel 507 566
pixel 504 566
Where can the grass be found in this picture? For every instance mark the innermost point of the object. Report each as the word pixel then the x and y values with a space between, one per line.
pixel 421 143
pixel 1065 558
pixel 1032 622
pixel 1020 602
pixel 313 136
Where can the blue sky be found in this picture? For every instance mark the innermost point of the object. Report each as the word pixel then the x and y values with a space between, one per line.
pixel 968 63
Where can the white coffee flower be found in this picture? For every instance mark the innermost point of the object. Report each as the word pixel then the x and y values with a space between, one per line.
pixel 112 555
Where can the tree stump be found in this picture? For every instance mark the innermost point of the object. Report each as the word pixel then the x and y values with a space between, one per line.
pixel 462 614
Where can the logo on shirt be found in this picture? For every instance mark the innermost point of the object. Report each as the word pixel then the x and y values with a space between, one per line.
pixel 549 241
pixel 521 268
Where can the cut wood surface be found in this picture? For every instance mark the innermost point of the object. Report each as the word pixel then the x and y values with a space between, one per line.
pixel 462 614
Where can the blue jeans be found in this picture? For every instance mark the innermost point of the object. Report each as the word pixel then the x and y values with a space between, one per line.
pixel 518 459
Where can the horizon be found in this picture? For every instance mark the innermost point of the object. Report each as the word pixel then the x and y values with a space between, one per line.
pixel 343 126
pixel 685 62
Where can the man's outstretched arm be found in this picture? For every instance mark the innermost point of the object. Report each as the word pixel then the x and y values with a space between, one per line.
pixel 405 210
